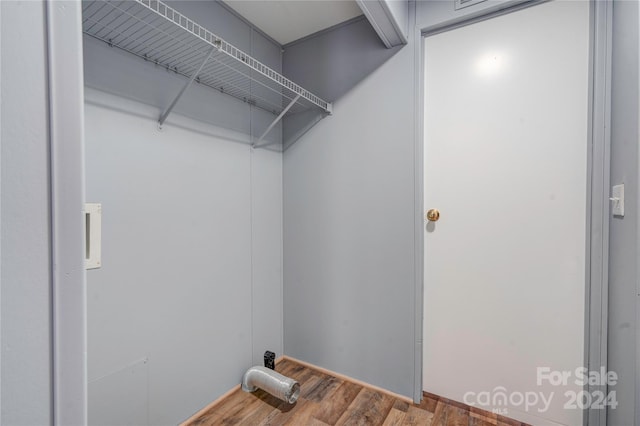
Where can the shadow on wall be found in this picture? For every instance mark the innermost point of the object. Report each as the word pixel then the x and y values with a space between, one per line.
pixel 329 65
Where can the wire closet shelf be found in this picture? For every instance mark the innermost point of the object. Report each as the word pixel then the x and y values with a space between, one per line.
pixel 158 33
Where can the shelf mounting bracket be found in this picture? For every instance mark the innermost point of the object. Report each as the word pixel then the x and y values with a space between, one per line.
pixel 274 122
pixel 166 113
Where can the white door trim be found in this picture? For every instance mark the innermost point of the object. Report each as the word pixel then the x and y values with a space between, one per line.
pixel 66 127
pixel 418 262
pixel 597 250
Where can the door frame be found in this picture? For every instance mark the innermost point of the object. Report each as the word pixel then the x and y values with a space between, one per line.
pixel 68 275
pixel 597 185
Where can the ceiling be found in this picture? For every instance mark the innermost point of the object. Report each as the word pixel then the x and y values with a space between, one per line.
pixel 289 20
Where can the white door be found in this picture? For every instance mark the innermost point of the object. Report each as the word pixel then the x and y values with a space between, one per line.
pixel 506 116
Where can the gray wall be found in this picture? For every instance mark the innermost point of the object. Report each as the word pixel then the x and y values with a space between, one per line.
pixel 623 278
pixel 329 65
pixel 25 230
pixel 349 214
pixel 189 294
pixel 356 51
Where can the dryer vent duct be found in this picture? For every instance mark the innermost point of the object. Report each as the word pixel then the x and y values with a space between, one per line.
pixel 270 381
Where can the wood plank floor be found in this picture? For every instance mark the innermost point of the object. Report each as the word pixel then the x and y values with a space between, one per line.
pixel 328 400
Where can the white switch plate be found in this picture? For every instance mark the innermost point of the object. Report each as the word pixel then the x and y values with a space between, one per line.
pixel 617 200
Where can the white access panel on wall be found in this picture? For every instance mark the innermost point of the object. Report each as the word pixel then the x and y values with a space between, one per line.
pixel 506 107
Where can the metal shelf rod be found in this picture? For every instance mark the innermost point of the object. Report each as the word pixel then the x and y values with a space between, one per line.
pixel 274 122
pixel 164 116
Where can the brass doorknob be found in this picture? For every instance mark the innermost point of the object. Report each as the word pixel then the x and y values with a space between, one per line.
pixel 433 215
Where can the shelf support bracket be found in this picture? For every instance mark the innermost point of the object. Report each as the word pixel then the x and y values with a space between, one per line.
pixel 166 113
pixel 274 122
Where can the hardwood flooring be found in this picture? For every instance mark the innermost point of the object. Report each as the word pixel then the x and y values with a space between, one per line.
pixel 328 400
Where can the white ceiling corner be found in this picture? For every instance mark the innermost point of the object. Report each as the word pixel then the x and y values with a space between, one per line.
pixel 289 20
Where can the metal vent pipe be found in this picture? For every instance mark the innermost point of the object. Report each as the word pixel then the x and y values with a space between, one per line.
pixel 272 382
